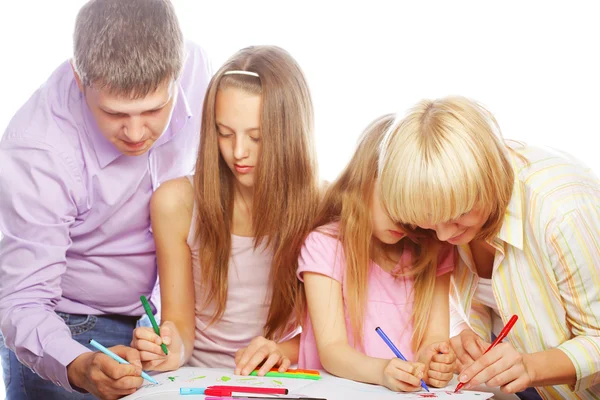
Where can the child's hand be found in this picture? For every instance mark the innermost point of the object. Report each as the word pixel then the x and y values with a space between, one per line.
pixel 403 376
pixel 151 353
pixel 440 360
pixel 259 350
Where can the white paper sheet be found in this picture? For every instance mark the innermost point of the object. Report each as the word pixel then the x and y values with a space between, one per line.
pixel 334 388
pixel 329 387
pixel 170 382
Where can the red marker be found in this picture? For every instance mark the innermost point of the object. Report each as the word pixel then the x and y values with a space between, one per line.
pixel 250 389
pixel 226 391
pixel 500 337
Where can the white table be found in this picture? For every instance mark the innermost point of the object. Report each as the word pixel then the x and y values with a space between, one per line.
pixel 329 387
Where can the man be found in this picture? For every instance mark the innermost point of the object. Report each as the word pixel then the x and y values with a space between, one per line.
pixel 78 165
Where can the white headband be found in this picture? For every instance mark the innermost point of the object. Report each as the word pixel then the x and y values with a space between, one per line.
pixel 241 73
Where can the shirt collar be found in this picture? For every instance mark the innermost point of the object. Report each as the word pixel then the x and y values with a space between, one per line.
pixel 106 152
pixel 512 228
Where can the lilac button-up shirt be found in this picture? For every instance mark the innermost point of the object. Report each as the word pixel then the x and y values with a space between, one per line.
pixel 75 217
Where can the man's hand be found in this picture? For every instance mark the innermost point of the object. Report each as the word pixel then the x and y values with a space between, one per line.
pixel 104 377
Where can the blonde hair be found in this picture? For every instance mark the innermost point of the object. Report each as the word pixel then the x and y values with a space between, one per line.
pixel 441 160
pixel 129 47
pixel 285 190
pixel 347 201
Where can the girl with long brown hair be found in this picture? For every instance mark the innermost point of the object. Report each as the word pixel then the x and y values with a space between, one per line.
pixel 228 238
pixel 361 272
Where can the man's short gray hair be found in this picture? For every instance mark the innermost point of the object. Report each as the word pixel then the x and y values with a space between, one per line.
pixel 129 47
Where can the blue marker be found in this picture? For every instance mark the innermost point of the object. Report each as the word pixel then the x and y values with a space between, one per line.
pixel 189 390
pixel 119 359
pixel 396 351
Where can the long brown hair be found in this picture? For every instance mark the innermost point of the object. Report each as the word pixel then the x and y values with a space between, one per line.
pixel 285 191
pixel 347 201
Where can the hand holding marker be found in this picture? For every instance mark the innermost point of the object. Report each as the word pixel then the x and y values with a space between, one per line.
pixel 500 338
pixel 119 359
pixel 396 351
pixel 152 321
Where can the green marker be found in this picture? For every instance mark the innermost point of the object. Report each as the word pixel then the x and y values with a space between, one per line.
pixel 152 320
pixel 272 374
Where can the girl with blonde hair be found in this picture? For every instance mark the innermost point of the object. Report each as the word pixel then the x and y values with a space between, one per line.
pixel 228 238
pixel 526 221
pixel 360 272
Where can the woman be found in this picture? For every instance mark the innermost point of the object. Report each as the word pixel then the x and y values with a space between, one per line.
pixel 527 223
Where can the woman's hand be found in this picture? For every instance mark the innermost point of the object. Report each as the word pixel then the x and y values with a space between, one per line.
pixel 468 347
pixel 503 366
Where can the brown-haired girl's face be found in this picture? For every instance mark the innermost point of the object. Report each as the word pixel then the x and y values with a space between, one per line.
pixel 383 227
pixel 237 114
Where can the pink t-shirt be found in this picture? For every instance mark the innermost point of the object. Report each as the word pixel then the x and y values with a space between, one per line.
pixel 389 300
pixel 248 301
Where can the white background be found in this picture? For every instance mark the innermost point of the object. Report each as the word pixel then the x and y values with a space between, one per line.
pixel 534 64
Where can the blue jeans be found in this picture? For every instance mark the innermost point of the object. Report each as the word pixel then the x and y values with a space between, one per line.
pixel 23 384
pixel 529 394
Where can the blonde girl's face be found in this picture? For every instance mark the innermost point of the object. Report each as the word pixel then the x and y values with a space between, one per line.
pixel 237 115
pixel 461 230
pixel 383 227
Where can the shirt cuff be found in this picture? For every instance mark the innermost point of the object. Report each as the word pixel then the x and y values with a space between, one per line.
pixel 583 353
pixel 58 354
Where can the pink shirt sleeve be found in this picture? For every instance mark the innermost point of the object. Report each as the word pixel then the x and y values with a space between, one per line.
pixel 321 254
pixel 446 259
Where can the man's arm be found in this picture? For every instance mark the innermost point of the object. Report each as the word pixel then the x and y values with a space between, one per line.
pixel 37 207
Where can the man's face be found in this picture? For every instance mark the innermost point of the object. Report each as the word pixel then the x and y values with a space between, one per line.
pixel 132 125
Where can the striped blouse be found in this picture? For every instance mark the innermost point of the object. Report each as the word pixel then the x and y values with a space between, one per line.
pixel 546 268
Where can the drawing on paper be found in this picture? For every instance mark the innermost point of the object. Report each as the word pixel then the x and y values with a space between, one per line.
pixel 169 384
pixel 196 378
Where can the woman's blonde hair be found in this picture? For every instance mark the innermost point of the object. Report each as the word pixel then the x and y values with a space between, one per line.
pixel 286 190
pixel 347 201
pixel 441 160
